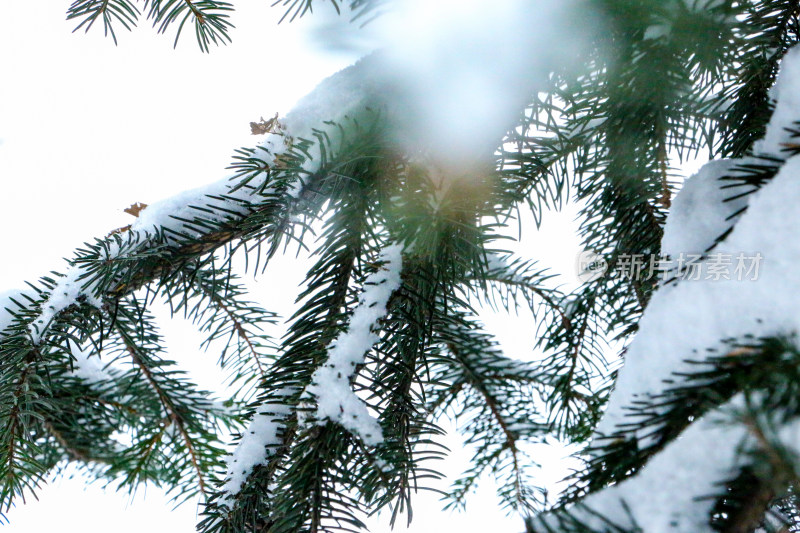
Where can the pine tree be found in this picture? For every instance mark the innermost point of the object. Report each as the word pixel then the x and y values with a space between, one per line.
pixel 697 431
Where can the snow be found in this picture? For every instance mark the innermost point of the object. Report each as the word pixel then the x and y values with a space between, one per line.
pixel 88 369
pixel 787 110
pixel 705 208
pixel 68 289
pixel 684 474
pixel 702 211
pixel 256 445
pixel 342 94
pixel 336 399
pixel 168 212
pixel 452 91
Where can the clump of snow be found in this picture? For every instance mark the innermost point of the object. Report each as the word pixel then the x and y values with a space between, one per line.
pixel 702 211
pixel 342 94
pixel 336 399
pixel 171 213
pixel 68 289
pixel 787 110
pixel 454 67
pixel 257 444
pixel 671 492
pixel 88 369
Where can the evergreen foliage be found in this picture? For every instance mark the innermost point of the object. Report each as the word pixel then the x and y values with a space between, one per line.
pixel 85 377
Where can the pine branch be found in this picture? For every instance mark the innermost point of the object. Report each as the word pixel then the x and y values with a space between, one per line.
pixel 478 383
pixel 768 30
pixel 72 452
pixel 13 467
pixel 212 300
pixel 110 11
pixel 177 444
pixel 210 18
pixel 167 404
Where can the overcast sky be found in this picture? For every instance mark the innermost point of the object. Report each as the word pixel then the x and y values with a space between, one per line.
pixel 87 128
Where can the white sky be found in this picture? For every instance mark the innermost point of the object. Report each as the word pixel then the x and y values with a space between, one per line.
pixel 87 128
